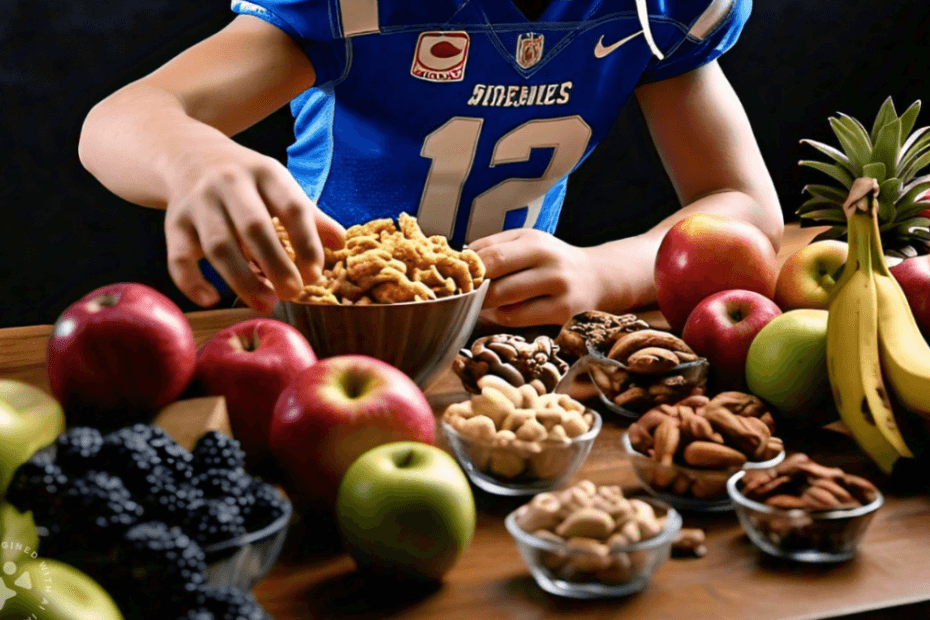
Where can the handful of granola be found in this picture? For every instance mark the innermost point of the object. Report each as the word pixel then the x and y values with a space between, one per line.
pixel 386 262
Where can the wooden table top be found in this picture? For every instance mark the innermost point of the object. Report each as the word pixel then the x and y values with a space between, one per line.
pixel 889 578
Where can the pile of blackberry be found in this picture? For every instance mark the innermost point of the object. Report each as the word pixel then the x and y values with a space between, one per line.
pixel 138 512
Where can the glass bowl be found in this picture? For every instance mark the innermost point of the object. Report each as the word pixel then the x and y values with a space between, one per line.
pixel 708 487
pixel 802 535
pixel 629 569
pixel 421 338
pixel 601 371
pixel 545 470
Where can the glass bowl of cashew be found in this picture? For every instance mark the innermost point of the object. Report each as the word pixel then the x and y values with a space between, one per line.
pixel 516 441
pixel 589 541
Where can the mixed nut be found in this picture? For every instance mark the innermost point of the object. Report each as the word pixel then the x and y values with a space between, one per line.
pixel 513 359
pixel 644 368
pixel 515 432
pixel 595 331
pixel 713 436
pixel 592 524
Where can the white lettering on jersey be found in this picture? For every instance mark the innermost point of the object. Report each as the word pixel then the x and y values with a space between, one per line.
pixel 497 95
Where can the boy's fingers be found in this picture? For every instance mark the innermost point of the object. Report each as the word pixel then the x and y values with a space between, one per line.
pixel 183 256
pixel 537 311
pixel 509 257
pixel 514 288
pixel 502 237
pixel 332 233
pixel 254 228
pixel 221 248
pixel 285 198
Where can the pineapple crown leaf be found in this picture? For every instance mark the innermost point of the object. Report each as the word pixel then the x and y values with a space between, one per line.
pixel 887 145
pixel 836 172
pixel 909 118
pixel 857 151
pixel 875 170
pixel 827 193
pixel 914 162
pixel 904 226
pixel 834 153
pixel 887 196
pixel 914 189
pixel 813 204
pixel 826 216
pixel 857 128
pixel 886 114
pixel 914 141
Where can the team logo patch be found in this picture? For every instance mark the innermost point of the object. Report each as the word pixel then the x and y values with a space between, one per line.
pixel 440 56
pixel 529 49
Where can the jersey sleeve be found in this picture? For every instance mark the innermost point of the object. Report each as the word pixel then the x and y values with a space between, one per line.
pixel 314 24
pixel 708 36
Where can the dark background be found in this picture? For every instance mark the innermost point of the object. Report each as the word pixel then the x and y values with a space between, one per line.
pixel 62 234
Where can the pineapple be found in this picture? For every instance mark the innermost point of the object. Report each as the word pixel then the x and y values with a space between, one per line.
pixel 893 155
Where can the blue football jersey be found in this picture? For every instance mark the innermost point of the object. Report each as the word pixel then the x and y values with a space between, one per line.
pixel 466 113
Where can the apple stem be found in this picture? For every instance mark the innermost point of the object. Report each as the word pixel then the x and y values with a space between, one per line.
pixel 104 301
pixel 737 316
pixel 405 459
pixel 245 342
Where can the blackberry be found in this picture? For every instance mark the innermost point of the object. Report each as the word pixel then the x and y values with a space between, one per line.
pixel 127 452
pixel 164 560
pixel 268 506
pixel 97 502
pixel 232 603
pixel 197 614
pixel 172 455
pixel 36 486
pixel 77 449
pixel 212 521
pixel 216 450
pixel 171 503
pixel 231 485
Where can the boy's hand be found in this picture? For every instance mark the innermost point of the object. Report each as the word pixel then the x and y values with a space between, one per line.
pixel 536 279
pixel 222 210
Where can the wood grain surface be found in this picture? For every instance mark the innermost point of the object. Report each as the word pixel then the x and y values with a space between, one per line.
pixel 889 578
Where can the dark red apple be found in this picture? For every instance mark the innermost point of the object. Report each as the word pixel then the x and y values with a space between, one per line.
pixel 118 355
pixel 250 363
pixel 913 274
pixel 706 253
pixel 337 409
pixel 722 327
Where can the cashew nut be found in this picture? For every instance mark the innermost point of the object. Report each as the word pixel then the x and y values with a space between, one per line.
pixel 588 523
pixel 501 385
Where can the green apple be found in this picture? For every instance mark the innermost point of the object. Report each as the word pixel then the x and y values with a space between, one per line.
pixel 30 419
pixel 405 510
pixel 787 367
pixel 19 533
pixel 46 589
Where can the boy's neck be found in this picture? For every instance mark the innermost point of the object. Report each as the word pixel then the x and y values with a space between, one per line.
pixel 532 9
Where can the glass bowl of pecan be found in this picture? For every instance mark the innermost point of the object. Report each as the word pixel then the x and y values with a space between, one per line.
pixel 685 453
pixel 515 441
pixel 589 541
pixel 392 293
pixel 803 511
pixel 641 369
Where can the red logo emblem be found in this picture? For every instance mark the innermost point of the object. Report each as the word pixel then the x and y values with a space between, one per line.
pixel 440 56
pixel 529 49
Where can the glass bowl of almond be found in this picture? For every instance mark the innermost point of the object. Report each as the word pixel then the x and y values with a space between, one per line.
pixel 685 453
pixel 804 511
pixel 517 441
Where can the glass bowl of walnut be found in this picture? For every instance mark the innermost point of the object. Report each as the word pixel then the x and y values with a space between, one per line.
pixel 392 293
pixel 637 370
pixel 590 541
pixel 515 441
pixel 804 511
pixel 684 453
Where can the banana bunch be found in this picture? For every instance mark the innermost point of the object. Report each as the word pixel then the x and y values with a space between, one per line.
pixel 874 342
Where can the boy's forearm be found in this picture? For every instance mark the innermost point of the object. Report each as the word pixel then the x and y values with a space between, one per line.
pixel 633 286
pixel 135 141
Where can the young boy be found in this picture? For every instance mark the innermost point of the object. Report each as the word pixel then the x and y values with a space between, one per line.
pixel 469 114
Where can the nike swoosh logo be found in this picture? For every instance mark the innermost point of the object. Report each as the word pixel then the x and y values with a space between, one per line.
pixel 600 51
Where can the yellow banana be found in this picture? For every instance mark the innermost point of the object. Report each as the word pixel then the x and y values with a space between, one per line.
pixel 852 348
pixel 904 354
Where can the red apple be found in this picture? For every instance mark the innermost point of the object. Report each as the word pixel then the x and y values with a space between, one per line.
pixel 913 274
pixel 337 409
pixel 118 355
pixel 806 278
pixel 722 327
pixel 706 253
pixel 250 363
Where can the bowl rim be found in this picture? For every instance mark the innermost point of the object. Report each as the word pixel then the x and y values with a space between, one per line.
pixel 820 515
pixel 273 528
pixel 481 288
pixel 628 449
pixel 590 435
pixel 673 524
